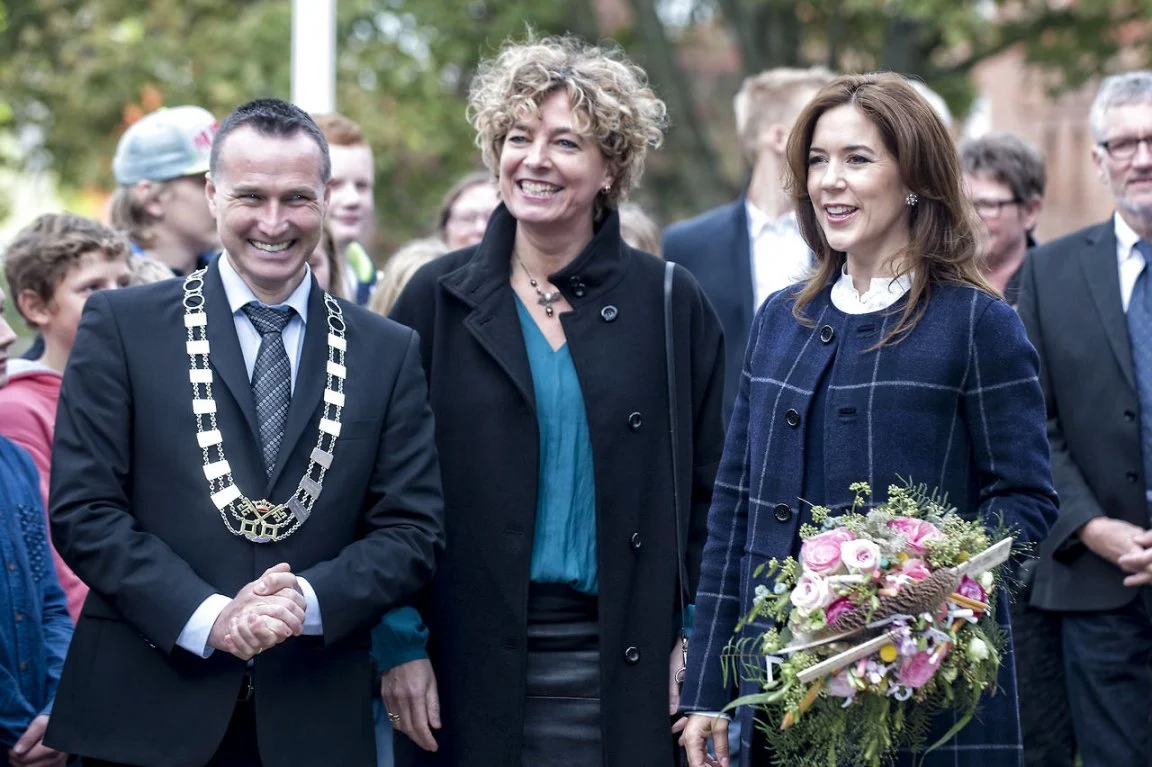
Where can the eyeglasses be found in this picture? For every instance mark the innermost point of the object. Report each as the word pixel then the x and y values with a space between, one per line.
pixel 1125 148
pixel 469 217
pixel 992 208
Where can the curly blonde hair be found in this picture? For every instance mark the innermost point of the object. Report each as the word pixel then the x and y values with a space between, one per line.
pixel 610 98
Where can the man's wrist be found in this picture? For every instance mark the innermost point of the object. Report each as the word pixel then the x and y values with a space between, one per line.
pixel 198 630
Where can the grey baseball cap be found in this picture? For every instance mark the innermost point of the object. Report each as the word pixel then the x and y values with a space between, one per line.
pixel 165 144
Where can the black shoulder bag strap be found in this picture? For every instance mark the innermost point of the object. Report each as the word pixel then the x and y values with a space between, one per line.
pixel 674 427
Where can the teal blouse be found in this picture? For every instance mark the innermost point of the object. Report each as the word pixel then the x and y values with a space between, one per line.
pixel 564 545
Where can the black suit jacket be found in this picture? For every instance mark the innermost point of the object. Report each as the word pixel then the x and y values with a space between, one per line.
pixel 131 514
pixel 1070 304
pixel 714 247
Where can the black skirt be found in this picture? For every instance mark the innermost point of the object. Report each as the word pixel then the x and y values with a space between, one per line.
pixel 562 706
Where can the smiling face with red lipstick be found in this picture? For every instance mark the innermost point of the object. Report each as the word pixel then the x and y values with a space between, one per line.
pixel 856 190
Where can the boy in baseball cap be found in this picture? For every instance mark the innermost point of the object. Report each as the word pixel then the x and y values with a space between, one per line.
pixel 159 165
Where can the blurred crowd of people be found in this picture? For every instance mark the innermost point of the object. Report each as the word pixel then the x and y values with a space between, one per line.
pixel 875 279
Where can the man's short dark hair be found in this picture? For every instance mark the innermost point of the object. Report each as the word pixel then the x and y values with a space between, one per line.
pixel 1010 160
pixel 272 117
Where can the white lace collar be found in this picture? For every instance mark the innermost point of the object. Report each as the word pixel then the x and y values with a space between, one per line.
pixel 881 293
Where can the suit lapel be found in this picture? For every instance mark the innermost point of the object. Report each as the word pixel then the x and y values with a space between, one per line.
pixel 226 358
pixel 1102 273
pixel 741 263
pixel 311 379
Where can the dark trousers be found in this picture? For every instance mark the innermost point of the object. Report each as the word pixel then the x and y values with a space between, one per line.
pixel 1045 716
pixel 238 749
pixel 1108 665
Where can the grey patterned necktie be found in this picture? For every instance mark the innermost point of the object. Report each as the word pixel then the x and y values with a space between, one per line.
pixel 1140 336
pixel 271 378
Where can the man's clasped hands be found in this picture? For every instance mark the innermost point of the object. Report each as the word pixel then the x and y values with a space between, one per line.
pixel 266 612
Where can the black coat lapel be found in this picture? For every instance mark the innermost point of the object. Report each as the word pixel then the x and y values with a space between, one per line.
pixel 495 324
pixel 226 358
pixel 1102 273
pixel 483 284
pixel 311 377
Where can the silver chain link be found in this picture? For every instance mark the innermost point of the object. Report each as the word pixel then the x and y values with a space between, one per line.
pixel 260 521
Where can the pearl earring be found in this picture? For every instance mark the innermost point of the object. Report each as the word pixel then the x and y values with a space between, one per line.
pixel 911 199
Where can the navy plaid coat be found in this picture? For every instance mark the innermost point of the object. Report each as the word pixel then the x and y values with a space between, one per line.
pixel 956 405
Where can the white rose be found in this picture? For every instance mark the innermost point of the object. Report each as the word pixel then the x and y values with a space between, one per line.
pixel 860 555
pixel 811 592
pixel 977 650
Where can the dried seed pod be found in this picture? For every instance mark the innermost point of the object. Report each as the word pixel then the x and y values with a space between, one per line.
pixel 914 598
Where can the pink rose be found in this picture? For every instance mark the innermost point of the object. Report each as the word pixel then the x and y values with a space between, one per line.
pixel 861 556
pixel 838 609
pixel 916 532
pixel 916 569
pixel 971 589
pixel 917 671
pixel 821 553
pixel 811 592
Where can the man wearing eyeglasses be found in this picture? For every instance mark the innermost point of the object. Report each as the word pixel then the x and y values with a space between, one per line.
pixel 1086 301
pixel 1004 177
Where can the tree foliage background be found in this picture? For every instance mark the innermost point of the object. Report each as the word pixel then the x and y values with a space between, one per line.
pixel 75 73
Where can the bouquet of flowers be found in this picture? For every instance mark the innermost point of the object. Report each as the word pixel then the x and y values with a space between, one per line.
pixel 885 620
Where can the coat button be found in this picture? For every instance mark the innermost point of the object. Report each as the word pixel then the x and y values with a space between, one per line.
pixel 1132 477
pixel 792 417
pixel 632 656
pixel 1129 416
pixel 635 542
pixel 577 286
pixel 608 313
pixel 635 421
pixel 782 512
pixel 827 334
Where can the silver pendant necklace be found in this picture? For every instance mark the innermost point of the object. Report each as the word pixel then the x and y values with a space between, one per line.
pixel 259 521
pixel 543 298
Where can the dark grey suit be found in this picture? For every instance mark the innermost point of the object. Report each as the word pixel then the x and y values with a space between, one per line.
pixel 1071 305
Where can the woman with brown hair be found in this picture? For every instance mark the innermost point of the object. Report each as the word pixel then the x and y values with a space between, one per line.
pixel 895 359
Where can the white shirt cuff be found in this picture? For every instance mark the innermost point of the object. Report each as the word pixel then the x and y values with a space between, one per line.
pixel 194 637
pixel 313 625
pixel 713 714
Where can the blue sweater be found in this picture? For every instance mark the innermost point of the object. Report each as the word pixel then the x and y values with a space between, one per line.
pixel 34 625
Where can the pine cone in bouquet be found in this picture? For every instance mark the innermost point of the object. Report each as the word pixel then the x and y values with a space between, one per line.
pixel 915 597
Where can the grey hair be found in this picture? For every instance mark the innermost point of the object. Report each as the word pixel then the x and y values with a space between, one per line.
pixel 1119 90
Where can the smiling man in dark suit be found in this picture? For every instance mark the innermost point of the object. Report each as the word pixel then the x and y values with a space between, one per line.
pixel 745 251
pixel 1086 300
pixel 245 476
